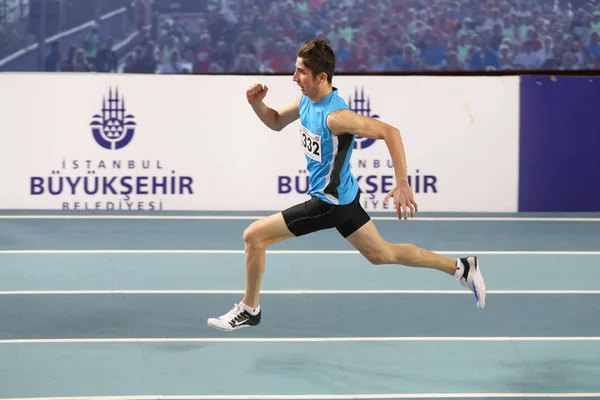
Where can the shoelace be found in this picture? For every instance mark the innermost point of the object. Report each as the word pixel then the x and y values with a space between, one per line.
pixel 234 312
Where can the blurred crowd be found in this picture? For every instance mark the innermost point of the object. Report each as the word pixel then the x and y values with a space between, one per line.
pixel 262 36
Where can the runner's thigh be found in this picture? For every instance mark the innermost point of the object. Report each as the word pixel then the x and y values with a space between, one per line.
pixel 310 216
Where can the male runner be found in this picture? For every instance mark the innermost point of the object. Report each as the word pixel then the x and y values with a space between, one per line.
pixel 327 129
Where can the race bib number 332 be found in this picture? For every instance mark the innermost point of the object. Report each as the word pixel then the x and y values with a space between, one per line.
pixel 311 143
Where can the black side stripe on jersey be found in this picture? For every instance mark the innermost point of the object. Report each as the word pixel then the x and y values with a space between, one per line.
pixel 344 143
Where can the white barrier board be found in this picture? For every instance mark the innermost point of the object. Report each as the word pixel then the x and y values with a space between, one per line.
pixel 152 142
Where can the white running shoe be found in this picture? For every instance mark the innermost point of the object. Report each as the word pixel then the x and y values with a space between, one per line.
pixel 236 318
pixel 473 280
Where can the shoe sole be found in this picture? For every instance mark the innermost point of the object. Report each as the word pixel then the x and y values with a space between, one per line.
pixel 478 285
pixel 227 329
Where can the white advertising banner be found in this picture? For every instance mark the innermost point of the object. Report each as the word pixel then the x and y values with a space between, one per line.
pixel 184 142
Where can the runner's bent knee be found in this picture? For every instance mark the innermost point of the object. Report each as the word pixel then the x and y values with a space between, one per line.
pixel 258 235
pixel 266 231
pixel 378 255
pixel 252 235
pixel 371 245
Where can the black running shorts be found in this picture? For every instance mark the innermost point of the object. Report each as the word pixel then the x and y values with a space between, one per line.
pixel 315 215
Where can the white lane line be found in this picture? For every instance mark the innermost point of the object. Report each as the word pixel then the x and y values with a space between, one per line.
pixel 210 251
pixel 286 292
pixel 321 396
pixel 311 339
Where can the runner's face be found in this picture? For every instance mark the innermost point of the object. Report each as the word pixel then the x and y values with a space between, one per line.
pixel 304 78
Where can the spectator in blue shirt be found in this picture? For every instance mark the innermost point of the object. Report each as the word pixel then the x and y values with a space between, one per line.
pixel 484 57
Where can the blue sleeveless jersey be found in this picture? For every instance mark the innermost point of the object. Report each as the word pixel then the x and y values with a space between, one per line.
pixel 327 156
